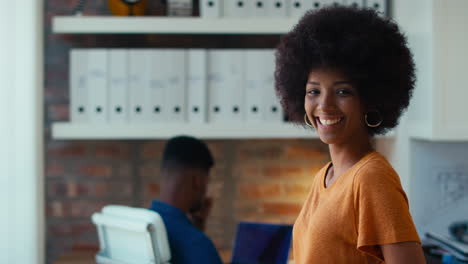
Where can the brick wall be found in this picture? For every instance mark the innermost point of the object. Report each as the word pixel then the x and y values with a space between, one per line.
pixel 256 180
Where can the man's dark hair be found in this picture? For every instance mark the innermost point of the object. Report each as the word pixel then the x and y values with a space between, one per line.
pixel 186 152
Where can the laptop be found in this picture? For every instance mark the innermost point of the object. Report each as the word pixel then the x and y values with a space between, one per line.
pixel 262 243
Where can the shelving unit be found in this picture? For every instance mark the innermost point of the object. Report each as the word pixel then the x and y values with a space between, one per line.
pixel 167 25
pixel 438 108
pixel 70 131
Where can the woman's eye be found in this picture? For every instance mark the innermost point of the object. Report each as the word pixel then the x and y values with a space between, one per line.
pixel 344 92
pixel 313 91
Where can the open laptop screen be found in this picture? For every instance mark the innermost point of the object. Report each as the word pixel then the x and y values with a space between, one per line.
pixel 261 243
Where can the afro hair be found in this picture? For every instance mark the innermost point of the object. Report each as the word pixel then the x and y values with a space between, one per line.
pixel 367 48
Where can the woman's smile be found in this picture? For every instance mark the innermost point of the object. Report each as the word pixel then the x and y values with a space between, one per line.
pixel 328 122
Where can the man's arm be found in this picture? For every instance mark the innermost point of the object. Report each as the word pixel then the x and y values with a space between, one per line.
pixel 403 253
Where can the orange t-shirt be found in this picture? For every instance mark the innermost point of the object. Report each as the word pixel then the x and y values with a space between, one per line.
pixel 345 222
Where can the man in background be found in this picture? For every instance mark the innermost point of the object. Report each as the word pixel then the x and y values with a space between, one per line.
pixel 183 204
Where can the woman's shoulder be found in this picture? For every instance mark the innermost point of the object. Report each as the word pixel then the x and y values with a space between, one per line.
pixel 375 168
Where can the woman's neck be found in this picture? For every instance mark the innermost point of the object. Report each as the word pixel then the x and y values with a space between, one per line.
pixel 345 156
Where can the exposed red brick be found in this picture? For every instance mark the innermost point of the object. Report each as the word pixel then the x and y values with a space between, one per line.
pixel 218 173
pixel 153 150
pixel 105 189
pixel 296 190
pixel 56 209
pixel 124 171
pixel 312 170
pixel 112 151
pixel 247 172
pixel 305 153
pixel 95 170
pixel 149 171
pixel 259 191
pixel 67 229
pixel 85 246
pixel 75 189
pixel 101 189
pixel 217 150
pixel 58 112
pixel 62 4
pixel 152 189
pixel 57 189
pixel 55 95
pixel 54 169
pixel 82 228
pixel 215 189
pixel 255 152
pixel 280 209
pixel 83 208
pixel 277 172
pixel 66 150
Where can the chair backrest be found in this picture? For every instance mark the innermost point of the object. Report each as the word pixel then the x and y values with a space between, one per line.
pixel 262 243
pixel 131 235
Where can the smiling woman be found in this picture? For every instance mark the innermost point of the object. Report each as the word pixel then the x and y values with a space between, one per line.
pixel 348 73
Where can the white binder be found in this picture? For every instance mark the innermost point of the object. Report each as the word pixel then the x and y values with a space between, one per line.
pixel 237 8
pixel 258 8
pixel 317 4
pixel 79 86
pixel 211 8
pixel 255 84
pixel 97 86
pixel 139 90
pixel 297 8
pixel 378 5
pixel 277 8
pixel 335 2
pixel 158 84
pixel 118 85
pixel 272 109
pixel 175 99
pixel 225 85
pixel 355 3
pixel 196 85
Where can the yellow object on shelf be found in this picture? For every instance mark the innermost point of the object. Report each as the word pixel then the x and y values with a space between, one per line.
pixel 127 7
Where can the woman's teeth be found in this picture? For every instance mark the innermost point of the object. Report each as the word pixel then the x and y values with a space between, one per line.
pixel 329 122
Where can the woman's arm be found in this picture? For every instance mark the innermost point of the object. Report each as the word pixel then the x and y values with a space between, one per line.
pixel 403 253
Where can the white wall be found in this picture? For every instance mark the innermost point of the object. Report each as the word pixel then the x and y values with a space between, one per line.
pixel 21 172
pixel 435 173
pixel 440 184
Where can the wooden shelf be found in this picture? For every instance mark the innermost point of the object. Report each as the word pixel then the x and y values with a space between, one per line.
pixel 169 25
pixel 74 131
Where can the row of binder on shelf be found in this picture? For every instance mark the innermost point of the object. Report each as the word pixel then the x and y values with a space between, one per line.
pixel 277 8
pixel 173 85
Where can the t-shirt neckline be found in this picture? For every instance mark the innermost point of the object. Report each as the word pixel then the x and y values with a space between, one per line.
pixel 329 165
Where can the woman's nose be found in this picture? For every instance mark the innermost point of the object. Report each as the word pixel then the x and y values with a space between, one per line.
pixel 327 100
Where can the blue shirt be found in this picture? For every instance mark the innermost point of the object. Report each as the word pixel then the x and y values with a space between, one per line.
pixel 188 244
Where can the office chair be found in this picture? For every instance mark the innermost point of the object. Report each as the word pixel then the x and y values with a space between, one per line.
pixel 131 235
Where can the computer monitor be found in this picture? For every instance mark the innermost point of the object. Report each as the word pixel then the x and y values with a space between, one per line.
pixel 262 243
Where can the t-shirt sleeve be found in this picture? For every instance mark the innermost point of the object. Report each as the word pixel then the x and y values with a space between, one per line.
pixel 382 211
